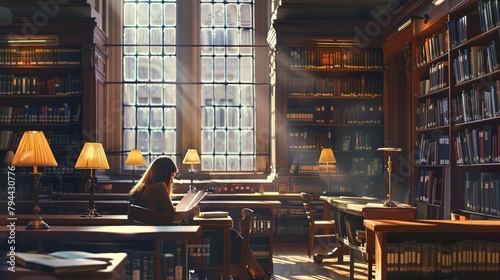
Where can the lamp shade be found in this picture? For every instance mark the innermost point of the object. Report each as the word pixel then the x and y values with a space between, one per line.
pixel 9 156
pixel 33 150
pixel 92 156
pixel 191 157
pixel 327 156
pixel 135 157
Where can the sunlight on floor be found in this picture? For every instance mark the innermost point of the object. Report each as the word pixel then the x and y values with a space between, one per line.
pixel 296 265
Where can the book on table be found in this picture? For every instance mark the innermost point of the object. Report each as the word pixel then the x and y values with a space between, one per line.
pixel 63 261
pixel 214 214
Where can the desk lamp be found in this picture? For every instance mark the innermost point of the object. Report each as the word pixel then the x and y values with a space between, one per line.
pixel 92 157
pixel 327 157
pixel 135 158
pixel 388 150
pixel 192 158
pixel 34 150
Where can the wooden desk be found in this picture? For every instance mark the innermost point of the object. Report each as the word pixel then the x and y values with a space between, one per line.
pixel 430 231
pixel 158 234
pixel 349 215
pixel 226 224
pixel 114 271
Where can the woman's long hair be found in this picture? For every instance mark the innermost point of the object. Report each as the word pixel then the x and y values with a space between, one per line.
pixel 160 170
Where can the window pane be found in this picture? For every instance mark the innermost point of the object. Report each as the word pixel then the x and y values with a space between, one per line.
pixel 156 118
pixel 143 141
pixel 233 142
pixel 143 117
pixel 129 68
pixel 129 117
pixel 156 68
pixel 156 39
pixel 156 94
pixel 233 163
pixel 156 142
pixel 170 118
pixel 129 94
pixel 156 16
pixel 143 68
pixel 128 140
pixel 170 145
pixel 208 143
pixel 129 14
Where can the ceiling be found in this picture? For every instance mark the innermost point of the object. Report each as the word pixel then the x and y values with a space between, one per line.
pixel 362 10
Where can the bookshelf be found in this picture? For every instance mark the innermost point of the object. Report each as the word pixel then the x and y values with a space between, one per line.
pixel 456 110
pixel 475 122
pixel 50 83
pixel 329 95
pixel 430 76
pixel 432 249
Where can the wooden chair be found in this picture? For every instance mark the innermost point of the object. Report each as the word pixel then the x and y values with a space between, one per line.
pixel 323 229
pixel 144 216
pixel 246 225
pixel 458 214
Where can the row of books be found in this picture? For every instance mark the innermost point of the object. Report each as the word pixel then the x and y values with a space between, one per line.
pixel 482 192
pixel 476 146
pixel 432 48
pixel 64 141
pixel 359 166
pixel 474 105
pixel 466 259
pixel 430 187
pixel 475 61
pixel 307 139
pixel 438 78
pixel 261 225
pixel 42 114
pixel 433 151
pixel 489 14
pixel 199 252
pixel 432 113
pixel 23 85
pixel 40 56
pixel 354 115
pixel 300 57
pixel 460 29
pixel 362 86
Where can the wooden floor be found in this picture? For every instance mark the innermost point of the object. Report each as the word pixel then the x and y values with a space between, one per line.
pixel 292 263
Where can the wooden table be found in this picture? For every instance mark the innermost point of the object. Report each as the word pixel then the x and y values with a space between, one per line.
pixel 114 233
pixel 114 271
pixel 226 224
pixel 349 215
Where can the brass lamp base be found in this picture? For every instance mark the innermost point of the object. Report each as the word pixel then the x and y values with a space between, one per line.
pixel 91 212
pixel 37 224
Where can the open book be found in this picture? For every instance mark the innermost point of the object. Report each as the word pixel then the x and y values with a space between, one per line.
pixel 190 200
pixel 63 261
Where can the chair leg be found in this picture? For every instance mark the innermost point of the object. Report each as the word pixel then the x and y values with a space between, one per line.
pixel 351 263
pixel 311 242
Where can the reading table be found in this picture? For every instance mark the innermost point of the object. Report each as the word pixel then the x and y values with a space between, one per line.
pixel 114 271
pixel 349 215
pixel 157 234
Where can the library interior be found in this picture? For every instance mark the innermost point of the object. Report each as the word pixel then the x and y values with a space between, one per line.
pixel 198 139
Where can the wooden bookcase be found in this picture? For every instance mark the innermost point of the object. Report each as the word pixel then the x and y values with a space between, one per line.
pixel 51 83
pixel 329 93
pixel 477 162
pixel 455 88
pixel 431 249
pixel 431 112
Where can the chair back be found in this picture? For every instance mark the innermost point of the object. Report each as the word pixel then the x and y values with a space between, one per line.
pixel 144 216
pixel 458 214
pixel 306 201
pixel 246 229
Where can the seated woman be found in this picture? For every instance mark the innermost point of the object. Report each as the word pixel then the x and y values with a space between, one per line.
pixel 154 190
